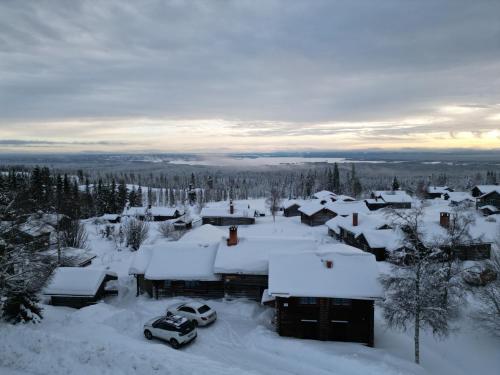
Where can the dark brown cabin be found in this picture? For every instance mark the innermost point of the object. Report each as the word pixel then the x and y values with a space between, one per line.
pixel 336 319
pixel 292 210
pixel 318 218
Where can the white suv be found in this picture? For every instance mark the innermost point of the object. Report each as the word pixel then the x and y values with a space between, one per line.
pixel 175 329
pixel 198 313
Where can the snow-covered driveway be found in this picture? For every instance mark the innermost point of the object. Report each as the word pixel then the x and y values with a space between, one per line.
pixel 107 339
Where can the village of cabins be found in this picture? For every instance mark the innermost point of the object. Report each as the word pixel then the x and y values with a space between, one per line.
pixel 325 291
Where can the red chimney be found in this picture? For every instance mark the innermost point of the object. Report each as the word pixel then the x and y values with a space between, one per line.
pixel 444 219
pixel 354 219
pixel 231 207
pixel 329 263
pixel 233 236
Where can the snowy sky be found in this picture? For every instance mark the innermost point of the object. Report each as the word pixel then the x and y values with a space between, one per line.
pixel 248 75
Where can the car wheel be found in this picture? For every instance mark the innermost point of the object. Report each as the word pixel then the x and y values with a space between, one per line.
pixel 174 343
pixel 148 334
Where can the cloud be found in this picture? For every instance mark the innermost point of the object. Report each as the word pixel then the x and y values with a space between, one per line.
pixel 119 70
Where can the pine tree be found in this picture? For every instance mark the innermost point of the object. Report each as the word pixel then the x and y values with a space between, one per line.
pixel 139 197
pixel 121 198
pixel 395 184
pixel 112 199
pixel 336 179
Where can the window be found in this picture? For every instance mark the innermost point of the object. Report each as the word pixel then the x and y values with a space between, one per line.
pixel 187 309
pixel 191 284
pixel 203 309
pixel 341 302
pixel 307 300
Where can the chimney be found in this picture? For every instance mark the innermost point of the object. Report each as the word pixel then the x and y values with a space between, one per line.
pixel 329 263
pixel 444 219
pixel 354 219
pixel 233 236
pixel 231 207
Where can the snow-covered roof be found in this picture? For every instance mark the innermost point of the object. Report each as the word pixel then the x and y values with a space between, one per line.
pixel 306 274
pixel 251 254
pixel 438 189
pixel 182 261
pixel 153 211
pixel 287 203
pixel 204 234
pixel 141 260
pixel 75 281
pixel 479 231
pixel 366 221
pixel 459 196
pixel 485 189
pixel 396 197
pixel 388 239
pixel 324 194
pixel 346 208
pixel 240 210
pixel 312 207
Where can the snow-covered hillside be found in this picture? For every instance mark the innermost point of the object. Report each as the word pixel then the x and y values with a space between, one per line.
pixel 107 338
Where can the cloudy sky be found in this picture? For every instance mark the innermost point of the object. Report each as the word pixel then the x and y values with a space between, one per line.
pixel 248 75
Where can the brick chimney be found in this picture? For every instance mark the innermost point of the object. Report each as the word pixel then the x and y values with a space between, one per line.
pixel 233 236
pixel 329 263
pixel 444 219
pixel 354 219
pixel 231 207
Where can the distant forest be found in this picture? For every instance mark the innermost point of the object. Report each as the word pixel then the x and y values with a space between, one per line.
pixel 87 192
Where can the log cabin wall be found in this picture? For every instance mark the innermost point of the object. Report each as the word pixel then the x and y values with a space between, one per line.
pixel 292 211
pixel 319 218
pixel 245 286
pixel 326 319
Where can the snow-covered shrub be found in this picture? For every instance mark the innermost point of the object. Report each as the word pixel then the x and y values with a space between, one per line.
pixel 21 307
pixel 73 234
pixel 136 232
pixel 166 229
pixel 487 313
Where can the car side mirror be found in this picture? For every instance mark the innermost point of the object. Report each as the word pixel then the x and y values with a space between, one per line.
pixel 169 313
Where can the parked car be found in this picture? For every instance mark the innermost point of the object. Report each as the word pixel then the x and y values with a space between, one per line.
pixel 175 329
pixel 198 313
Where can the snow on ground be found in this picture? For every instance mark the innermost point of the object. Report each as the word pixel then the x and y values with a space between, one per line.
pixel 107 338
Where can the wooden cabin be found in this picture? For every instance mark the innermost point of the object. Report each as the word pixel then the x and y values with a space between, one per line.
pixel 177 269
pixel 243 263
pixel 490 200
pixel 234 214
pixel 153 213
pixel 397 199
pixel 365 232
pixel 480 190
pixel 79 287
pixel 433 192
pixel 315 213
pixel 291 208
pixel 321 296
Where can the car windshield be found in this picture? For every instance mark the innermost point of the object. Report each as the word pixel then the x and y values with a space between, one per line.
pixel 203 309
pixel 186 327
